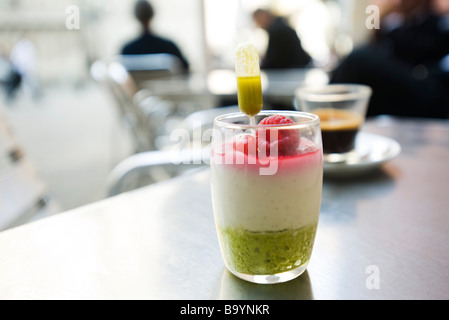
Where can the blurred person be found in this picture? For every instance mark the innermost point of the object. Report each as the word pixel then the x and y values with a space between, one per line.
pixel 24 59
pixel 10 78
pixel 148 42
pixel 284 46
pixel 407 61
pixel 441 6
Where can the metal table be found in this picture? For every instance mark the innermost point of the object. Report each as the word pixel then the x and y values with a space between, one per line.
pixel 380 236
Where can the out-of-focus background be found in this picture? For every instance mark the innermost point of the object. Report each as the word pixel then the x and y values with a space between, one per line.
pixel 206 30
pixel 70 126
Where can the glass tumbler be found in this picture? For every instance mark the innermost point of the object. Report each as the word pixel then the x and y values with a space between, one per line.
pixel 266 183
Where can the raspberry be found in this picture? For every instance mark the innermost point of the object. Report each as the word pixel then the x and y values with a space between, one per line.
pixel 285 140
pixel 276 119
pixel 246 144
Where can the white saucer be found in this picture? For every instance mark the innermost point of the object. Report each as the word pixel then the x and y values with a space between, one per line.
pixel 371 151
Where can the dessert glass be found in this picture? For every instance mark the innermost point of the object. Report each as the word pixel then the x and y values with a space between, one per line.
pixel 266 199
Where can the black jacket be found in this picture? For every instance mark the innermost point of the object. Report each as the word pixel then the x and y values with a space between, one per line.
pixel 149 43
pixel 284 48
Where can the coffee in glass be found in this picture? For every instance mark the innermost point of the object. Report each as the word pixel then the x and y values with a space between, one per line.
pixel 342 111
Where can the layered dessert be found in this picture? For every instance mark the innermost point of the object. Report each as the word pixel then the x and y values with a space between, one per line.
pixel 267 222
pixel 266 181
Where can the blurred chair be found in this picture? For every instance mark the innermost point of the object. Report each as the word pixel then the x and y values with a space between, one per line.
pixel 23 196
pixel 149 167
pixel 154 122
pixel 146 115
pixel 154 166
pixel 143 67
pixel 123 89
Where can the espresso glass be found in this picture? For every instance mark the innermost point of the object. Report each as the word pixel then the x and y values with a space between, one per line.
pixel 342 110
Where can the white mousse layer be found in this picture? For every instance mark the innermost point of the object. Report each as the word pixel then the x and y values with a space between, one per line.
pixel 290 198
